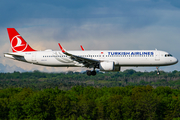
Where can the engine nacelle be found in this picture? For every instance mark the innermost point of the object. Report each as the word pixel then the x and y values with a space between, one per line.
pixel 108 66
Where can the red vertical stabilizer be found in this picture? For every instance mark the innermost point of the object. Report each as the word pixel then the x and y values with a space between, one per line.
pixel 18 44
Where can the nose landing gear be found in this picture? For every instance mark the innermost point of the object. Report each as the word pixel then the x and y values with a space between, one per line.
pixel 158 70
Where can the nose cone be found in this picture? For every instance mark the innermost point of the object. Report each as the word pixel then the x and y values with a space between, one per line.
pixel 175 60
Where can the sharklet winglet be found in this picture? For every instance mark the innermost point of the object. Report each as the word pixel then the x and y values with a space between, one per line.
pixel 62 49
pixel 82 47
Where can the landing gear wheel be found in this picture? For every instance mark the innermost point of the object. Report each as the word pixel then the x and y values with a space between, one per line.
pixel 88 72
pixel 93 73
pixel 158 70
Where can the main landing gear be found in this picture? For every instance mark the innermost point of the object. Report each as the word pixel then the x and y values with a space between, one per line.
pixel 158 70
pixel 89 72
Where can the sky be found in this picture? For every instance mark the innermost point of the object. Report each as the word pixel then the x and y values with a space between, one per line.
pixel 95 24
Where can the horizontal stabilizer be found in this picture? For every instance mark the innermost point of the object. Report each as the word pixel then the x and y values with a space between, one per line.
pixel 14 54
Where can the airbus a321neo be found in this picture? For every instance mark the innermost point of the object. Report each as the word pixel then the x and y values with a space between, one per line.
pixel 104 60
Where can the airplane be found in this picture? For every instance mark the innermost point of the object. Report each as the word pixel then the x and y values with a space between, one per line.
pixel 104 60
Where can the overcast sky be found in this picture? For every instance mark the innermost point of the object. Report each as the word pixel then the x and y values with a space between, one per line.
pixel 95 24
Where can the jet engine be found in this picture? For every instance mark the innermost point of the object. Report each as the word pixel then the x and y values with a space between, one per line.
pixel 108 66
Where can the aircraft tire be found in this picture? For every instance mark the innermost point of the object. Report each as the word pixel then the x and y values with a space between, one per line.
pixel 93 73
pixel 88 72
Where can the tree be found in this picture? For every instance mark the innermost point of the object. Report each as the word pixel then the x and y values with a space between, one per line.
pixel 114 107
pixel 4 109
pixel 40 106
pixel 62 106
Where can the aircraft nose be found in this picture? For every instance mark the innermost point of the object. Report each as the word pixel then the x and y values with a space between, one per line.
pixel 175 60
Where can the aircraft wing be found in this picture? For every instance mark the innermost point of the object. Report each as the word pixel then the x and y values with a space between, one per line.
pixel 86 61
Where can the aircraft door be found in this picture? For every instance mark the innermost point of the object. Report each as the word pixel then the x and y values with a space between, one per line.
pixel 157 56
pixel 33 57
pixel 101 55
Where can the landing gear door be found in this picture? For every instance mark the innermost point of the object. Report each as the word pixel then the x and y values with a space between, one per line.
pixel 157 56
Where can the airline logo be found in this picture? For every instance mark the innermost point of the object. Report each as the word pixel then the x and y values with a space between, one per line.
pixel 18 44
pixel 130 53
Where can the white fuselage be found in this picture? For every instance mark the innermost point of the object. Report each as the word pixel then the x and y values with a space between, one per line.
pixel 119 57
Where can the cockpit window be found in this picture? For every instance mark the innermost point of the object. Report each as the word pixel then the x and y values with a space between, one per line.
pixel 168 55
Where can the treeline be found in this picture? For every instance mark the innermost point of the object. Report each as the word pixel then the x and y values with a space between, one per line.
pixel 79 103
pixel 37 80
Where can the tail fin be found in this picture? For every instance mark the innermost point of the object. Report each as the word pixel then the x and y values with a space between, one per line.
pixel 17 42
